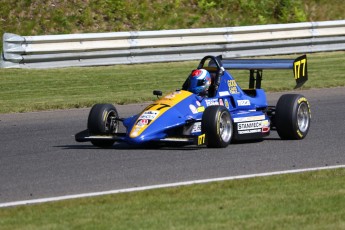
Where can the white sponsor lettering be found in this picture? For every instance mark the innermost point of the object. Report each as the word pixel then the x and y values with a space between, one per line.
pixel 243 102
pixel 249 131
pixel 253 118
pixel 193 109
pixel 196 127
pixel 149 115
pixel 212 102
pixel 249 125
pixel 224 93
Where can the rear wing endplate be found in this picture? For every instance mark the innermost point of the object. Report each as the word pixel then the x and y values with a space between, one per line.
pixel 298 65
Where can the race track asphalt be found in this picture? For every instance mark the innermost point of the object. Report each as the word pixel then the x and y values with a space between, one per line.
pixel 39 157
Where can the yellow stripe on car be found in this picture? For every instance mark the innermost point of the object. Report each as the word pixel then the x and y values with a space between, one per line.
pixel 155 110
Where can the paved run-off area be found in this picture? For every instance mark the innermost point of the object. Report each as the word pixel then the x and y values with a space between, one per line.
pixel 39 157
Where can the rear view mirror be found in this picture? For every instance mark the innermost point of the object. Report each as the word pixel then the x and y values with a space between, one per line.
pixel 158 93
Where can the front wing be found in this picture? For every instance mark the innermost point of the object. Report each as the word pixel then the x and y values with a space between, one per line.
pixel 86 136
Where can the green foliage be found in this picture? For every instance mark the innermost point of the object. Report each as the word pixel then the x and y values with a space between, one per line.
pixel 36 17
pixel 290 10
pixel 206 5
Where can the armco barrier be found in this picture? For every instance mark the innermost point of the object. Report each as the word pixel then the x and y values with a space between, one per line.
pixel 92 49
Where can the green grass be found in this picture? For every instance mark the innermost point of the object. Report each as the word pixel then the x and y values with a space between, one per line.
pixel 313 200
pixel 23 90
pixel 30 90
pixel 324 69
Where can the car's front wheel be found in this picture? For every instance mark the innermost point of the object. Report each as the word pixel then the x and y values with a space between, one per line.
pixel 103 121
pixel 292 117
pixel 217 126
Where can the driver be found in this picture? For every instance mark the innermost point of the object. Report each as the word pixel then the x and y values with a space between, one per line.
pixel 199 82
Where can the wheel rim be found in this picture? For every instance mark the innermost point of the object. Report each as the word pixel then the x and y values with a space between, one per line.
pixel 225 127
pixel 303 117
pixel 111 124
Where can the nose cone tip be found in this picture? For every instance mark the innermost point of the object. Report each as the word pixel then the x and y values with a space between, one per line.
pixel 136 138
pixel 133 135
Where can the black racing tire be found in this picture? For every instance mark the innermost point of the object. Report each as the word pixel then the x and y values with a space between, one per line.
pixel 102 121
pixel 292 117
pixel 217 126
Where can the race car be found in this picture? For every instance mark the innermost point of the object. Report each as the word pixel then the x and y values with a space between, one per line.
pixel 225 115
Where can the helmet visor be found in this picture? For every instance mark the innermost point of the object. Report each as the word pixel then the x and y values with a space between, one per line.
pixel 200 82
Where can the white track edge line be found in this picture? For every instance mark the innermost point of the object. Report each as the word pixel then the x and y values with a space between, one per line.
pixel 135 189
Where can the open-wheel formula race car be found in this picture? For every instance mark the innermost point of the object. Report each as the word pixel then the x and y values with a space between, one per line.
pixel 228 113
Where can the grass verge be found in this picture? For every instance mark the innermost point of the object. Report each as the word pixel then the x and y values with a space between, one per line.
pixel 24 90
pixel 313 200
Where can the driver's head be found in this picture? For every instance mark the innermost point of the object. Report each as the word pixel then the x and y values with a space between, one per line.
pixel 199 81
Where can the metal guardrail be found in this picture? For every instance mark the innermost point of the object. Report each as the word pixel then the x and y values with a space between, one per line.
pixel 95 49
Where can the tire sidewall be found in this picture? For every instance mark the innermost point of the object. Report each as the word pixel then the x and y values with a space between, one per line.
pixel 286 117
pixel 210 126
pixel 300 101
pixel 98 117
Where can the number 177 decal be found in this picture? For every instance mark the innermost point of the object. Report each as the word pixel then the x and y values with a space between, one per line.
pixel 300 70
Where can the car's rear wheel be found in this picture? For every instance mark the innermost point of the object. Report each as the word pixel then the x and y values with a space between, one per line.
pixel 292 117
pixel 217 126
pixel 103 121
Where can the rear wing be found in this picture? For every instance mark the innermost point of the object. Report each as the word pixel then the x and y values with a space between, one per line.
pixel 255 66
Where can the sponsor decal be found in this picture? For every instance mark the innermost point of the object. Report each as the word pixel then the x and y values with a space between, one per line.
pixel 301 100
pixel 232 86
pixel 252 118
pixel 232 83
pixel 198 103
pixel 196 110
pixel 150 115
pixel 193 109
pixel 299 68
pixel 221 102
pixel 143 122
pixel 249 131
pixel 210 102
pixel 249 125
pixel 201 139
pixel 226 103
pixel 196 127
pixel 266 126
pixel 224 93
pixel 201 109
pixel 265 129
pixel 265 123
pixel 254 127
pixel 243 102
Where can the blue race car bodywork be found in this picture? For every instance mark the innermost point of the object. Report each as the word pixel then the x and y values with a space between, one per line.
pixel 228 113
